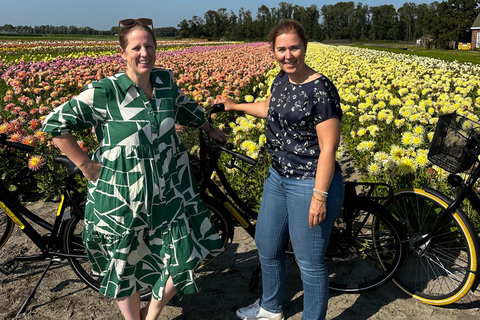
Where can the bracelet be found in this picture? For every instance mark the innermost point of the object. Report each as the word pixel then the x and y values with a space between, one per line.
pixel 321 193
pixel 319 200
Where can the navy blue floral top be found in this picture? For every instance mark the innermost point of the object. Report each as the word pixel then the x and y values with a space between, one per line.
pixel 293 113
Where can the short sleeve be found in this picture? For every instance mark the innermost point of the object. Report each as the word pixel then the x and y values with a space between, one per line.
pixel 83 112
pixel 326 101
pixel 187 112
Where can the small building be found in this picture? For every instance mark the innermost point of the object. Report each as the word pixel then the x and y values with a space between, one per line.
pixel 476 33
pixel 424 40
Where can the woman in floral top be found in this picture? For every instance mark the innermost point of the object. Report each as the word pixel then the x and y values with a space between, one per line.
pixel 145 223
pixel 303 192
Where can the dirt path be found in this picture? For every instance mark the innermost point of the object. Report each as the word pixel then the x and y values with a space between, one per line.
pixel 224 288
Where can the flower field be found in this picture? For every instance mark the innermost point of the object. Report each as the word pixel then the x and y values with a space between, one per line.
pixel 391 102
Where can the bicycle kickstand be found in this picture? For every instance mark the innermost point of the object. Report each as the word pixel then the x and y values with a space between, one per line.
pixel 27 301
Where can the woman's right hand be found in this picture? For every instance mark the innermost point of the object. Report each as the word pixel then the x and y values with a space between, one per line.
pixel 91 170
pixel 228 103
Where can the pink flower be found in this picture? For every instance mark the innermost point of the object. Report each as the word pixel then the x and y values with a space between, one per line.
pixel 30 140
pixel 42 137
pixel 16 126
pixel 35 124
pixel 35 162
pixel 16 137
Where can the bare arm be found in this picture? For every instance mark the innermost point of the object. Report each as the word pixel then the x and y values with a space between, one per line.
pixel 328 133
pixel 257 109
pixel 68 145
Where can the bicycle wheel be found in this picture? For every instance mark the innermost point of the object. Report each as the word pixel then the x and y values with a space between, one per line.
pixel 365 248
pixel 6 228
pixel 443 271
pixel 73 244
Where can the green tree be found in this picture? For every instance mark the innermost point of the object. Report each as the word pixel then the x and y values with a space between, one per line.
pixel 453 21
pixel 285 11
pixel 384 24
pixel 264 22
pixel 337 20
pixel 407 19
pixel 309 18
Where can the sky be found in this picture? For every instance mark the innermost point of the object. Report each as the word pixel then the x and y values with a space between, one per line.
pixel 104 14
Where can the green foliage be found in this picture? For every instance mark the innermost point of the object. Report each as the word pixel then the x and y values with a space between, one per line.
pixel 17 179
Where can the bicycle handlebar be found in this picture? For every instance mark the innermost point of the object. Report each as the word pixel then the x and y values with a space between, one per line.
pixel 228 148
pixel 218 107
pixel 16 145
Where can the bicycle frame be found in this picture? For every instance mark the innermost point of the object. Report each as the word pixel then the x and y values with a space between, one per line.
pixel 18 213
pixel 237 208
pixel 50 243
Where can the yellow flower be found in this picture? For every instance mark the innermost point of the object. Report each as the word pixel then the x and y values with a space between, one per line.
pixel 399 122
pixel 407 165
pixel 418 129
pixel 422 160
pixel 407 138
pixel 365 145
pixel 262 140
pixel 374 168
pixel 397 152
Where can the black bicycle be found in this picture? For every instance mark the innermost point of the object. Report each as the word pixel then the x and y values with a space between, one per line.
pixel 365 246
pixel 62 239
pixel 442 247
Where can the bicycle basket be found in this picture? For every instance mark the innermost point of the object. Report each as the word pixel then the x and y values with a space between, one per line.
pixel 451 142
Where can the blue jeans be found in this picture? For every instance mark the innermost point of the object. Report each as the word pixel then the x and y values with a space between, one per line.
pixel 284 211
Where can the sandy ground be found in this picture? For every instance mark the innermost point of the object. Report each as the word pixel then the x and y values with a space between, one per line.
pixel 224 284
pixel 224 288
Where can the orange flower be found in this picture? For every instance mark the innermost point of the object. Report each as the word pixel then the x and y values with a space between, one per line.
pixel 30 140
pixel 4 128
pixel 35 162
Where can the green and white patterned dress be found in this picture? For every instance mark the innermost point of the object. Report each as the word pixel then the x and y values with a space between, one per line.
pixel 144 219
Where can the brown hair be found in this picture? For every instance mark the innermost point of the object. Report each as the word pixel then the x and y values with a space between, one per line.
pixel 288 26
pixel 125 31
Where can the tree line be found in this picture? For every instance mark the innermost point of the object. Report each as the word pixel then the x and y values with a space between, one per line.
pixel 442 22
pixel 9 29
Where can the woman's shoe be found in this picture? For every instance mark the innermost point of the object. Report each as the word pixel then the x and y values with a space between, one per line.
pixel 256 312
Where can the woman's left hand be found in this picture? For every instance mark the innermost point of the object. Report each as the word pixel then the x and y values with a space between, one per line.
pixel 218 135
pixel 318 212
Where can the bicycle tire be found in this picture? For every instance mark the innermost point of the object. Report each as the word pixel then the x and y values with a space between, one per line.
pixel 445 271
pixel 221 222
pixel 73 244
pixel 367 255
pixel 6 228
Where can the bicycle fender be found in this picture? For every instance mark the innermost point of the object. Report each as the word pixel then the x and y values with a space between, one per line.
pixel 437 194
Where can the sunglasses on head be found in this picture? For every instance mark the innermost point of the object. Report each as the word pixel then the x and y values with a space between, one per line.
pixel 128 23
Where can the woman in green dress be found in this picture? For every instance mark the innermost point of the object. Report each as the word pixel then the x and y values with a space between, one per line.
pixel 145 223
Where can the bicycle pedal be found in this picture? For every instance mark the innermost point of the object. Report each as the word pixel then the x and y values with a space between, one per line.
pixel 9 266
